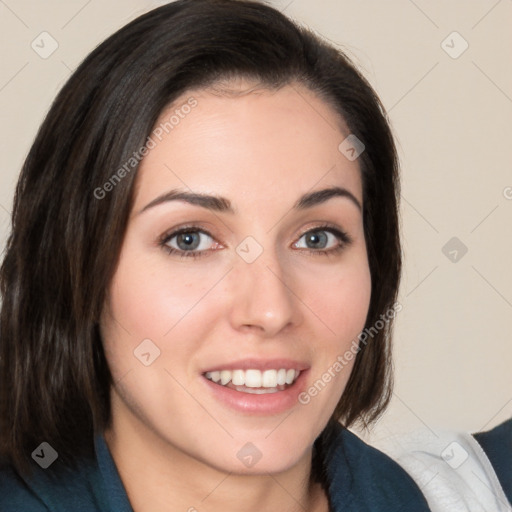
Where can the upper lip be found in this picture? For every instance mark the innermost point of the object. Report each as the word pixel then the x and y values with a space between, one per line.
pixel 259 364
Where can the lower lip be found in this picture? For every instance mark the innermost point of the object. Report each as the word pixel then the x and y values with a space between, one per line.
pixel 268 403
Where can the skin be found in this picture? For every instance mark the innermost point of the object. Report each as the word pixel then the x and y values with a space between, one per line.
pixel 174 444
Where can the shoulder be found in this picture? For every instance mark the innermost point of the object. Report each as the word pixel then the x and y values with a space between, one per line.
pixel 498 441
pixel 451 469
pixel 368 478
pixel 497 444
pixel 15 495
pixel 54 489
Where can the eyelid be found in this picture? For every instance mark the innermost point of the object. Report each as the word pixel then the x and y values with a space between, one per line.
pixel 342 236
pixel 163 240
pixel 333 228
pixel 177 230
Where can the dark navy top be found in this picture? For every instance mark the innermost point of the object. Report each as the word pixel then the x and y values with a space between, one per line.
pixel 497 444
pixel 357 478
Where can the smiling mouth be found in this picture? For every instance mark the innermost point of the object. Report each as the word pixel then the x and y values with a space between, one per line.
pixel 255 382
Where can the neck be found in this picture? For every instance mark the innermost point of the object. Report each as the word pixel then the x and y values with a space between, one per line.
pixel 159 477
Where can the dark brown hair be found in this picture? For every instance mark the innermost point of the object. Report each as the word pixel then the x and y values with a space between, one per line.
pixel 65 242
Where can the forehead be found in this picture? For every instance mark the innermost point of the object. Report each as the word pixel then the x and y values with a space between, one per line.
pixel 247 144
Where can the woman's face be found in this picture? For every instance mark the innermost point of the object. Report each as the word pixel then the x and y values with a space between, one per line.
pixel 256 276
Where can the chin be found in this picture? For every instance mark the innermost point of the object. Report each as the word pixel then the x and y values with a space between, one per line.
pixel 259 455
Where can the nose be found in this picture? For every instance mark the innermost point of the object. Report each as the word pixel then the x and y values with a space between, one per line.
pixel 263 298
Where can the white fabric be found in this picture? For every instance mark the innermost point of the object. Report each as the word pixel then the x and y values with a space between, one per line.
pixel 451 469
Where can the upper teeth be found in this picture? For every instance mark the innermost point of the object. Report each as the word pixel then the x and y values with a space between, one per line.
pixel 254 378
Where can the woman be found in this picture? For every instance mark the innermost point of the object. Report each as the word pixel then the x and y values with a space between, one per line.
pixel 201 278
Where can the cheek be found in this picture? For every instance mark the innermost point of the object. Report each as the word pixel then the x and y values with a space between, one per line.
pixel 340 298
pixel 149 297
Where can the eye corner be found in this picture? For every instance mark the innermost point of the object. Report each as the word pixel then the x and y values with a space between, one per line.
pixel 344 240
pixel 163 241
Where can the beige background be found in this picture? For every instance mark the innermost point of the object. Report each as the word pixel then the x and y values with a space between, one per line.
pixel 453 121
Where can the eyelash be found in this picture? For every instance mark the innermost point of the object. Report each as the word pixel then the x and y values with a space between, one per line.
pixel 342 236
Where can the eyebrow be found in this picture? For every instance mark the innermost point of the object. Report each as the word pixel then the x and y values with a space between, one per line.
pixel 223 205
pixel 321 196
pixel 214 203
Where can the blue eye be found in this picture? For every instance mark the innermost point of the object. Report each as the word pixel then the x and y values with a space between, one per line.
pixel 323 240
pixel 193 242
pixel 187 242
pixel 318 239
